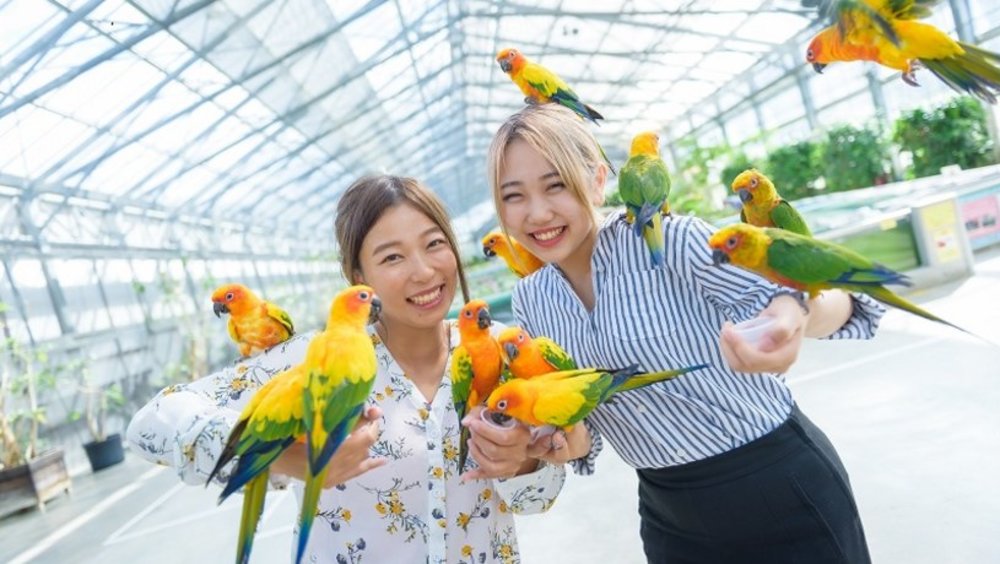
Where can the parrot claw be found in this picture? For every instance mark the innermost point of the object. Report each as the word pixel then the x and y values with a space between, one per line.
pixel 530 101
pixel 911 78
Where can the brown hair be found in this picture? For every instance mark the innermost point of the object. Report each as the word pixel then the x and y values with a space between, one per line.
pixel 364 202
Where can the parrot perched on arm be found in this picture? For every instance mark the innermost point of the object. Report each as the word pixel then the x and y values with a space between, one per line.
pixel 763 207
pixel 520 260
pixel 254 324
pixel 644 185
pixel 810 265
pixel 963 67
pixel 476 364
pixel 317 402
pixel 527 357
pixel 562 399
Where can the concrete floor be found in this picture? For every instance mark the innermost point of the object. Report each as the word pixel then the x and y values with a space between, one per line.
pixel 914 414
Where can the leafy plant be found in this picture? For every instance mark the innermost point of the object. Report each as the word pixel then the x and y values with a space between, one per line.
pixel 737 164
pixel 854 158
pixel 953 133
pixel 100 400
pixel 23 374
pixel 793 168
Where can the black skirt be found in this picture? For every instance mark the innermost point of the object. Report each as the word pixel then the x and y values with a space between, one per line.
pixel 783 498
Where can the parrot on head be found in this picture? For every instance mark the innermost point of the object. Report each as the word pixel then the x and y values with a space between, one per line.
pixel 317 402
pixel 562 399
pixel 644 185
pixel 254 324
pixel 520 260
pixel 527 357
pixel 763 207
pixel 963 67
pixel 476 364
pixel 810 265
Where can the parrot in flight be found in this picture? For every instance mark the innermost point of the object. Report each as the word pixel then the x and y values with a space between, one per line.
pixel 520 260
pixel 763 207
pixel 527 357
pixel 254 324
pixel 476 365
pixel 912 45
pixel 644 185
pixel 317 402
pixel 810 265
pixel 562 399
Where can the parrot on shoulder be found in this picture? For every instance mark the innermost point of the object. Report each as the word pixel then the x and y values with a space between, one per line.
pixel 527 357
pixel 810 265
pixel 476 365
pixel 644 185
pixel 254 324
pixel 520 260
pixel 563 399
pixel 317 402
pixel 763 207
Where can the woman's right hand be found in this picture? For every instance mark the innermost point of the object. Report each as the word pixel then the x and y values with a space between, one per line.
pixel 349 461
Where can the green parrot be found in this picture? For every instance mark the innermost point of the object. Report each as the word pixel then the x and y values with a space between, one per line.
pixel 644 184
pixel 763 207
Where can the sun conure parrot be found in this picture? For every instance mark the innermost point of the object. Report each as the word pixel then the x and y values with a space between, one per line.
pixel 763 207
pixel 476 364
pixel 562 399
pixel 644 184
pixel 317 402
pixel 848 15
pixel 965 68
pixel 809 265
pixel 527 357
pixel 254 324
pixel 520 260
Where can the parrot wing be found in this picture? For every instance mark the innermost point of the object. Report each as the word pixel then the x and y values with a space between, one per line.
pixel 554 354
pixel 644 184
pixel 549 84
pixel 461 387
pixel 567 401
pixel 281 316
pixel 788 218
pixel 811 261
pixel 854 17
pixel 234 333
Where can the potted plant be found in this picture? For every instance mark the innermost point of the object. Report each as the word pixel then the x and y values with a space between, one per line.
pixel 28 477
pixel 100 400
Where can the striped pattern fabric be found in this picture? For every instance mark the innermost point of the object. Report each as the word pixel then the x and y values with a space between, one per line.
pixel 662 318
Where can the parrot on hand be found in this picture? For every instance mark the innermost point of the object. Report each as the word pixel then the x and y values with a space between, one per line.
pixel 476 365
pixel 763 207
pixel 317 402
pixel 520 260
pixel 963 67
pixel 527 357
pixel 562 399
pixel 644 185
pixel 254 324
pixel 810 265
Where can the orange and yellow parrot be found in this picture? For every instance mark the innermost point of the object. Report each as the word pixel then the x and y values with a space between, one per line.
pixel 763 207
pixel 527 357
pixel 810 265
pixel 540 85
pixel 520 260
pixel 965 68
pixel 476 364
pixel 317 402
pixel 562 399
pixel 254 324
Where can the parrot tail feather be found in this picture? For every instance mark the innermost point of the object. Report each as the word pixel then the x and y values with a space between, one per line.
pixel 307 513
pixel 252 463
pixel 253 506
pixel 229 451
pixel 333 441
pixel 640 380
pixel 889 297
pixel 975 72
pixel 463 448
pixel 653 235
pixel 873 277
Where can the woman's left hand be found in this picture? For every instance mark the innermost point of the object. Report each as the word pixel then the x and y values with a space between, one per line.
pixel 778 348
pixel 500 453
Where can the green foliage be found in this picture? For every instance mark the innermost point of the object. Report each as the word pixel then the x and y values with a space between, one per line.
pixel 737 164
pixel 953 133
pixel 854 158
pixel 793 168
pixel 24 373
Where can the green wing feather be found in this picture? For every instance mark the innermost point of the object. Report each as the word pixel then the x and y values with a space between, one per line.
pixel 788 218
pixel 554 354
pixel 281 316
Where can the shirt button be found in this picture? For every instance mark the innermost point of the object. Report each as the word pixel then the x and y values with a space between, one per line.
pixel 681 453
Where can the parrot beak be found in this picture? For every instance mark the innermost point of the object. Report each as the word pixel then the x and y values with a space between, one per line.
pixel 376 309
pixel 719 257
pixel 745 196
pixel 818 67
pixel 484 320
pixel 498 417
pixel 511 350
pixel 505 65
pixel 219 308
pixel 489 252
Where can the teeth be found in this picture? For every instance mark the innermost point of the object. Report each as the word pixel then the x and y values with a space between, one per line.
pixel 548 235
pixel 427 298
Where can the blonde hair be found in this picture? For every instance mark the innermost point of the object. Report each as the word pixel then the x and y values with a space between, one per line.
pixel 364 202
pixel 561 137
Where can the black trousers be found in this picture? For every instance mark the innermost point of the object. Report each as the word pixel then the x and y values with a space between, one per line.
pixel 783 498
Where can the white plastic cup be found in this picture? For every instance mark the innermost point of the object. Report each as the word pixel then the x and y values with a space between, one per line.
pixel 753 330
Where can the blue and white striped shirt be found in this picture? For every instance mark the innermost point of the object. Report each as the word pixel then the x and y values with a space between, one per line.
pixel 663 318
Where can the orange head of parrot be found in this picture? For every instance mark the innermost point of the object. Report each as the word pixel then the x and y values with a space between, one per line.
pixel 645 143
pixel 509 400
pixel 741 244
pixel 358 305
pixel 510 60
pixel 817 53
pixel 230 297
pixel 511 340
pixel 474 317
pixel 491 241
pixel 751 185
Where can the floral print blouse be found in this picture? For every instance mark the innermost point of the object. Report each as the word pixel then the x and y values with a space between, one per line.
pixel 413 509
